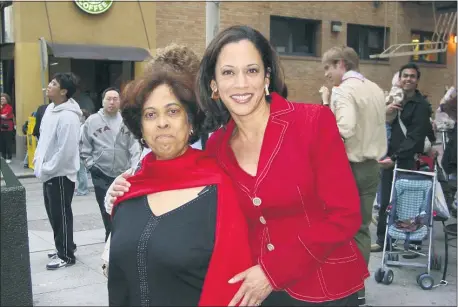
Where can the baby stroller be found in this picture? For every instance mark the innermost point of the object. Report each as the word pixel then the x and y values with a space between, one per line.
pixel 409 217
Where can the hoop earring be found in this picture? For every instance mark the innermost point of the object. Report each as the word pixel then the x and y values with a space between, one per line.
pixel 191 132
pixel 142 141
pixel 268 97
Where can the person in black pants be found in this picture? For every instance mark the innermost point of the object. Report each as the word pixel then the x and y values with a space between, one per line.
pixel 101 184
pixel 415 115
pixel 6 127
pixel 57 162
pixel 107 149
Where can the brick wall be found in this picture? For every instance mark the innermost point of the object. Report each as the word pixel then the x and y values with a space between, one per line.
pixel 184 22
pixel 181 23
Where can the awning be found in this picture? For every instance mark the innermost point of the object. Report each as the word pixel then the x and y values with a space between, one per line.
pixel 98 52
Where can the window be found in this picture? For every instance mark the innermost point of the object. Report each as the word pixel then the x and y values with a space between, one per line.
pixel 294 36
pixel 367 40
pixel 426 37
pixel 6 20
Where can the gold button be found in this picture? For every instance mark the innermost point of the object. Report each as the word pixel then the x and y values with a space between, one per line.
pixel 262 220
pixel 270 247
pixel 257 201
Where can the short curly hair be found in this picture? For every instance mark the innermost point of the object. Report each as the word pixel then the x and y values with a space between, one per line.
pixel 175 66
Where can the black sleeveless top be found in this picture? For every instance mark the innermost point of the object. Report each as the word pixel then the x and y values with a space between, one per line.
pixel 161 260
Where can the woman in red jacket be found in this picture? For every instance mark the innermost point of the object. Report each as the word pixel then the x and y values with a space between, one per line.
pixel 6 127
pixel 292 176
pixel 178 235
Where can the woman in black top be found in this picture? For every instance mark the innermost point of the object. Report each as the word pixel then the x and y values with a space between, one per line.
pixel 178 235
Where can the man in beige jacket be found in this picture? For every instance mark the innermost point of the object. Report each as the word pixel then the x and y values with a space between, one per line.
pixel 359 107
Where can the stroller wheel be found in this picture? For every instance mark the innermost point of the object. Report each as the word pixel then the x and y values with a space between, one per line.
pixel 379 274
pixel 388 278
pixel 418 278
pixel 425 281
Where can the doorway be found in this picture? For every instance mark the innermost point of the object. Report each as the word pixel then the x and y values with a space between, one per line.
pixel 94 77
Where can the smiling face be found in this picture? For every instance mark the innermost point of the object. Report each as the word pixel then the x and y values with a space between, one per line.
pixel 409 80
pixel 240 78
pixel 165 124
pixel 334 72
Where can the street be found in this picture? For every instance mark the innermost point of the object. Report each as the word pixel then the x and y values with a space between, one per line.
pixel 84 284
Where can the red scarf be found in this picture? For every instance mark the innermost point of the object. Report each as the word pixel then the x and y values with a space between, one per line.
pixel 231 253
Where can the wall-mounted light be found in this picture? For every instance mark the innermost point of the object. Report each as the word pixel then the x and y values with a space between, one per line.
pixel 336 26
pixel 454 39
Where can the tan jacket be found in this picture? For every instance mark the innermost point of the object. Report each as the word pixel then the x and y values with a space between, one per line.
pixel 359 107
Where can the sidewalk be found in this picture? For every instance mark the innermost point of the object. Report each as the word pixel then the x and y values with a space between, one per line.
pixel 17 166
pixel 84 284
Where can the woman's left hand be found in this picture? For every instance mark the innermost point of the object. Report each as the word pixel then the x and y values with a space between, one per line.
pixel 254 289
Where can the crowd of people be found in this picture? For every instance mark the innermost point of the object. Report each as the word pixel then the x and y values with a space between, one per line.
pixel 276 206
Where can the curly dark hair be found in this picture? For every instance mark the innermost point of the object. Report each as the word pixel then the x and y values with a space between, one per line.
pixel 217 114
pixel 172 67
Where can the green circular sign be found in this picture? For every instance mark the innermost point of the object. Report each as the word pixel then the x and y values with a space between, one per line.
pixel 94 7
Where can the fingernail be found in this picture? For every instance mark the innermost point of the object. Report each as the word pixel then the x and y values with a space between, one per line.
pixel 231 281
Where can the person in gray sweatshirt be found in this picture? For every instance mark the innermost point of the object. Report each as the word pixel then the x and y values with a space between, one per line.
pixel 107 148
pixel 56 163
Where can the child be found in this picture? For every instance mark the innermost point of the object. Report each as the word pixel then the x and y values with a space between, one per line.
pixel 395 96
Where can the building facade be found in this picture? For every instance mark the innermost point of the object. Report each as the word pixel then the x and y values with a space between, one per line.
pixel 300 31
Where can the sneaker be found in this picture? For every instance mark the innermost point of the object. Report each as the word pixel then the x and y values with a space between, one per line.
pixel 53 254
pixel 57 263
pixel 8 161
pixel 81 194
pixel 376 248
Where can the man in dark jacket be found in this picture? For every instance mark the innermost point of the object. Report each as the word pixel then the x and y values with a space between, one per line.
pixel 415 116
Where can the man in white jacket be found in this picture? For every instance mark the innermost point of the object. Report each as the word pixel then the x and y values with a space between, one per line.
pixel 107 148
pixel 56 163
pixel 359 107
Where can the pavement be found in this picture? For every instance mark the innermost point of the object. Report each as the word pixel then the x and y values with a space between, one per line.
pixel 84 284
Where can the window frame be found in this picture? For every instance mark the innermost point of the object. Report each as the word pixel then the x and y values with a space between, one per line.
pixel 3 6
pixel 316 24
pixel 441 56
pixel 367 29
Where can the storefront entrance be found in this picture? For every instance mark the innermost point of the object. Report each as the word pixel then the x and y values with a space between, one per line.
pixel 95 76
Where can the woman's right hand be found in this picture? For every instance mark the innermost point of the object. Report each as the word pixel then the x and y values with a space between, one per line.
pixel 119 186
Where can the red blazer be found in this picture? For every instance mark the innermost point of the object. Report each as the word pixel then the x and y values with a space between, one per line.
pixel 231 253
pixel 302 206
pixel 7 110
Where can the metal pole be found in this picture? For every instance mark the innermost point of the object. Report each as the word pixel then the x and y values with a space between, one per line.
pixel 43 65
pixel 211 20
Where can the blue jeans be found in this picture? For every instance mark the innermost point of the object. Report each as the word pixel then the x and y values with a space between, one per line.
pixel 26 159
pixel 81 178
